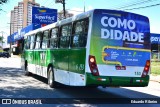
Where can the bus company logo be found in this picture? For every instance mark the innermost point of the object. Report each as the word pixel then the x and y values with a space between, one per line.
pixel 114 32
pixel 6 101
pixel 42 10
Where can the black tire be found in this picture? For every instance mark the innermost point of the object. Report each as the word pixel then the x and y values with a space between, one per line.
pixel 93 87
pixel 27 73
pixel 51 80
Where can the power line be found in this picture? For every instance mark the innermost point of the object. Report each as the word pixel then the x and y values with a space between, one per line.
pixel 136 3
pixel 144 7
pixel 125 4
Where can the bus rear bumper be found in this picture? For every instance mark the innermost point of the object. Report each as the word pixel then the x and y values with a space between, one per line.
pixel 116 81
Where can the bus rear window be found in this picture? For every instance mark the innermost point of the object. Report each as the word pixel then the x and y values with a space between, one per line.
pixel 80 31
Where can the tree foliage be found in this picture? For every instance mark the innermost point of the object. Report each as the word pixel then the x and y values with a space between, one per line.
pixel 3 1
pixel 1 38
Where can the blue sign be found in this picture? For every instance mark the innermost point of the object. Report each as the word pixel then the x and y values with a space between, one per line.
pixel 121 38
pixel 44 15
pixel 122 29
pixel 28 29
pixel 20 34
pixel 8 39
pixel 13 37
pixel 16 36
pixel 155 38
pixel 126 57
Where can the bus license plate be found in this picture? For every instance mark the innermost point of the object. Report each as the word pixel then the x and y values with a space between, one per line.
pixel 120 68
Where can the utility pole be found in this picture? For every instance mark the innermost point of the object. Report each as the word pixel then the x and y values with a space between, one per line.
pixel 84 6
pixel 64 10
pixel 10 48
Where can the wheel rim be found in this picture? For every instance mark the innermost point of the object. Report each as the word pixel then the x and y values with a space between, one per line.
pixel 50 77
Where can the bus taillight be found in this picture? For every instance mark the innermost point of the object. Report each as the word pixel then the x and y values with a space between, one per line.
pixel 93 65
pixel 146 68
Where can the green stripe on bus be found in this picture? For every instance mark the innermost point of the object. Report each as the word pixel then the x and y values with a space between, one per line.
pixel 116 81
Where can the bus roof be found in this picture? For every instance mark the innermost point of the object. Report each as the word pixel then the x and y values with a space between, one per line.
pixel 74 18
pixel 62 22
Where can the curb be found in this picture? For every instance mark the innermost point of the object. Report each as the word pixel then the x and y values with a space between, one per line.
pixel 155 81
pixel 15 56
pixel 155 78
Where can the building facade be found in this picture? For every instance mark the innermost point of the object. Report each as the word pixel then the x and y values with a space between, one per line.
pixel 21 16
pixel 12 21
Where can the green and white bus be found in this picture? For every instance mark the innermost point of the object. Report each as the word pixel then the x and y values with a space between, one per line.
pixel 96 48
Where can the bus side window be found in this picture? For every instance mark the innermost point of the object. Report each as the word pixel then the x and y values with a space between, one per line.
pixel 54 38
pixel 65 36
pixel 22 46
pixel 27 42
pixel 80 31
pixel 38 40
pixel 86 26
pixel 32 40
pixel 45 39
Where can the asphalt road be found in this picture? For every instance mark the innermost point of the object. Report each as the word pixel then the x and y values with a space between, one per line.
pixel 13 84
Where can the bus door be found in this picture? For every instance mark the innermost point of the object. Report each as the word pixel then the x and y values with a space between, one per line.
pixel 62 54
pixel 37 52
pixel 77 52
pixel 43 53
pixel 30 54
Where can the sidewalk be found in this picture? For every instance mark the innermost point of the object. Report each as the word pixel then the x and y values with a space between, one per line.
pixel 15 56
pixel 155 78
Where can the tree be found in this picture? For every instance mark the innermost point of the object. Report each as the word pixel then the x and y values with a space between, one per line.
pixel 3 1
pixel 1 39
